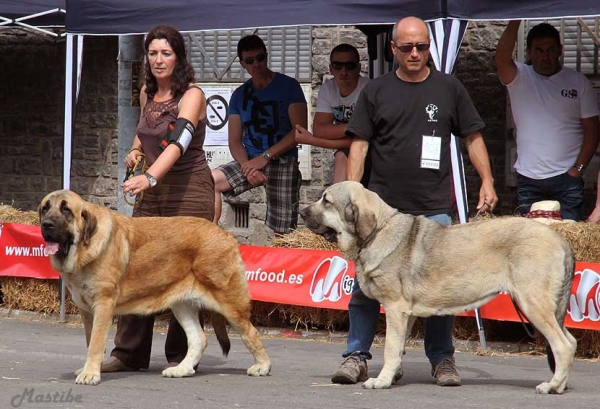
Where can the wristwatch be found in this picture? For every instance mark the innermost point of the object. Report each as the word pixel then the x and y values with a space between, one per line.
pixel 266 156
pixel 151 179
pixel 580 167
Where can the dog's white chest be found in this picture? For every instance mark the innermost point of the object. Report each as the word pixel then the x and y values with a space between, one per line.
pixel 78 294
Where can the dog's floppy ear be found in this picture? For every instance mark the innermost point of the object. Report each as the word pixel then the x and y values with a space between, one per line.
pixel 89 226
pixel 363 219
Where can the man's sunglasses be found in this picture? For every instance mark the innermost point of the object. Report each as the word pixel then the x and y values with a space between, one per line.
pixel 350 66
pixel 259 57
pixel 407 48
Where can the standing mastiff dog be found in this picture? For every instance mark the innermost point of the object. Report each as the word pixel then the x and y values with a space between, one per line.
pixel 416 267
pixel 114 264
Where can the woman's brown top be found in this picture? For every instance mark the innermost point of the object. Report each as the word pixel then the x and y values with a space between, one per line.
pixel 152 128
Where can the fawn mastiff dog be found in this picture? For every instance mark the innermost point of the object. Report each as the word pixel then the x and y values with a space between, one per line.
pixel 416 267
pixel 114 264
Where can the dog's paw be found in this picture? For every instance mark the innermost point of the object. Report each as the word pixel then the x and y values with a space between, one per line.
pixel 179 371
pixel 259 370
pixel 376 383
pixel 88 378
pixel 77 372
pixel 546 388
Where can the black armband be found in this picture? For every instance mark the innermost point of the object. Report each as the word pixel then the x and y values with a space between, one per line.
pixel 180 133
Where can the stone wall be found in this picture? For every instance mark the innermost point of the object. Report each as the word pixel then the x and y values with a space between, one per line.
pixel 95 138
pixel 476 69
pixel 324 40
pixel 31 119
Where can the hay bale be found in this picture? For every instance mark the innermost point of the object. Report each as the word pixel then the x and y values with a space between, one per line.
pixel 43 296
pixel 583 237
pixel 303 239
pixel 268 314
pixel 30 294
pixel 9 214
pixel 300 318
pixel 588 343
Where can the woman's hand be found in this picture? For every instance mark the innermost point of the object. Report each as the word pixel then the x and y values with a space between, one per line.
pixel 135 185
pixel 133 158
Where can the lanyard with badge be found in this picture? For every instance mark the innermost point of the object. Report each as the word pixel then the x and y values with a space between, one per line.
pixel 431 152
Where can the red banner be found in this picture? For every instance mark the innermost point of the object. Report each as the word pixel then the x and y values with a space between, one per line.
pixel 22 252
pixel 311 278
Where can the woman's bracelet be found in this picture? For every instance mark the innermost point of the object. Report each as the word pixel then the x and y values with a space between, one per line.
pixel 134 149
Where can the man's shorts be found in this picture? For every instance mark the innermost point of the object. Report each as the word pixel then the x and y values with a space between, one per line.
pixel 282 189
pixel 367 166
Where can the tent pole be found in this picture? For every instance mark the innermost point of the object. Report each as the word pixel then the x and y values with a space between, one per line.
pixel 67 139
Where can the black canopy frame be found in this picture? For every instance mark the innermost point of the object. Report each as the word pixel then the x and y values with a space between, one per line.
pixel 42 16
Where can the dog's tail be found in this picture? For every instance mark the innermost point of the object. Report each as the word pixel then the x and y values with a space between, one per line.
pixel 562 299
pixel 219 324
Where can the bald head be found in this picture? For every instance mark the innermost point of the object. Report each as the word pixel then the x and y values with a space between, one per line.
pixel 410 27
pixel 410 46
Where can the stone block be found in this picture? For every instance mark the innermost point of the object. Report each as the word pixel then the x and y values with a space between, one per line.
pixel 321 63
pixel 107 187
pixel 258 211
pixel 86 166
pixel 321 46
pixel 7 165
pixel 82 185
pixel 353 36
pixel 52 184
pixel 28 165
pixel 312 194
pixel 322 32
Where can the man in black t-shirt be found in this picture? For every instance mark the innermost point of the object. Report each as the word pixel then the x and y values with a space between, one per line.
pixel 406 118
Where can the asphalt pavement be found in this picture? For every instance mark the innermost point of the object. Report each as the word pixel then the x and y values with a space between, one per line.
pixel 38 357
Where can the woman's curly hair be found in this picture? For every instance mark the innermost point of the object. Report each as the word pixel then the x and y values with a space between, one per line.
pixel 183 73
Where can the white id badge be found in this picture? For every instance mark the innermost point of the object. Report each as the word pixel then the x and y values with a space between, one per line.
pixel 431 152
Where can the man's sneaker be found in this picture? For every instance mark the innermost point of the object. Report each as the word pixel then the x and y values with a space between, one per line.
pixel 446 373
pixel 352 370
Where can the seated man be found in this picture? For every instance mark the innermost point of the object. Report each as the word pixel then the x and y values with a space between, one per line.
pixel 262 116
pixel 335 106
